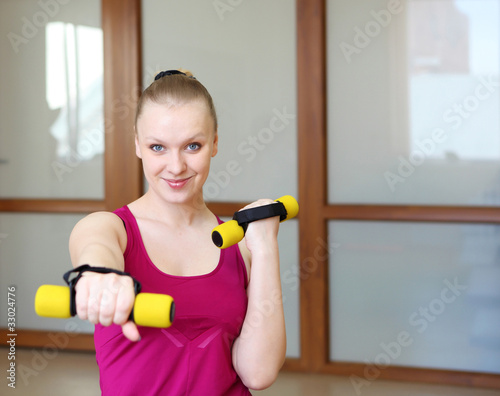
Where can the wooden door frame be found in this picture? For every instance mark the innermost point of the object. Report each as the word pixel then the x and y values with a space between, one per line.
pixel 122 31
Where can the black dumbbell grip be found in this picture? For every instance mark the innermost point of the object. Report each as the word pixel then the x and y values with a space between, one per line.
pixel 245 216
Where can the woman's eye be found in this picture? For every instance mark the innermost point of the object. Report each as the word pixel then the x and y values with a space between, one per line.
pixel 193 146
pixel 156 147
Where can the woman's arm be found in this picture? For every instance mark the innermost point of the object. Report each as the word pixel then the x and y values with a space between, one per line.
pixel 259 351
pixel 99 240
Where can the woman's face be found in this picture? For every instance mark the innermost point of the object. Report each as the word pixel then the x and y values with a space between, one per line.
pixel 176 145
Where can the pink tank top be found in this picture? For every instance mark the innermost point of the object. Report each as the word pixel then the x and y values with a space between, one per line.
pixel 193 356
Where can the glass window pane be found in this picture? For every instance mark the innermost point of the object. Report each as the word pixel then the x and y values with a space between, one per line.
pixel 413 102
pixel 33 252
pixel 51 100
pixel 412 294
pixel 244 53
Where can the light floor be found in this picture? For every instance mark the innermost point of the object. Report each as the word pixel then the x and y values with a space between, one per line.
pixel 74 374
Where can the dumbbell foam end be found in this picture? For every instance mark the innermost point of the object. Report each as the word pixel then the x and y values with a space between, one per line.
pixel 154 310
pixel 227 234
pixel 53 301
pixel 291 206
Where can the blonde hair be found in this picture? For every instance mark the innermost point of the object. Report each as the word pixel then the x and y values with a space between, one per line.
pixel 176 87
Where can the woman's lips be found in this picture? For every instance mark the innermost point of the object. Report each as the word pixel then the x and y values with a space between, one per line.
pixel 177 183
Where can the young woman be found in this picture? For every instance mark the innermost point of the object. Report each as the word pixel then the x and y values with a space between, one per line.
pixel 228 334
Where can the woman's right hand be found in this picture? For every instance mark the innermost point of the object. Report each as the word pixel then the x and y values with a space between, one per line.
pixel 107 299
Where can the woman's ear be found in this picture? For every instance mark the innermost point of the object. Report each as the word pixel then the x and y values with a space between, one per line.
pixel 215 147
pixel 137 148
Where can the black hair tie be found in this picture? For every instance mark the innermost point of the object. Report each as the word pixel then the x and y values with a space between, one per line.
pixel 168 73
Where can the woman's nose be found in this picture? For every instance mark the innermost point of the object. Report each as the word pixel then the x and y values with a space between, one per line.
pixel 176 164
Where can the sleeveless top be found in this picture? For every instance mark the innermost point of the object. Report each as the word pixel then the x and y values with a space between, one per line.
pixel 191 357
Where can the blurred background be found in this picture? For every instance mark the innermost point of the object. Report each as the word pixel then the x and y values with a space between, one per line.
pixel 381 117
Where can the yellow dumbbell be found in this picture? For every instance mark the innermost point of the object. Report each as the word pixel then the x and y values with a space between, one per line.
pixel 150 309
pixel 233 231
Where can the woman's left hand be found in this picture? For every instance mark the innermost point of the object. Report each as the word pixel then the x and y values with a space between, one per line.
pixel 261 233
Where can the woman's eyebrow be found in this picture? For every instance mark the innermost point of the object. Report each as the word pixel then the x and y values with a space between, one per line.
pixel 196 136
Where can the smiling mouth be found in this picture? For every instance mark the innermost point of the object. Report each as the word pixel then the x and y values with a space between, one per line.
pixel 177 183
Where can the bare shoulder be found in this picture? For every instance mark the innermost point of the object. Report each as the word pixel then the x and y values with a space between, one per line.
pixel 104 227
pixel 105 221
